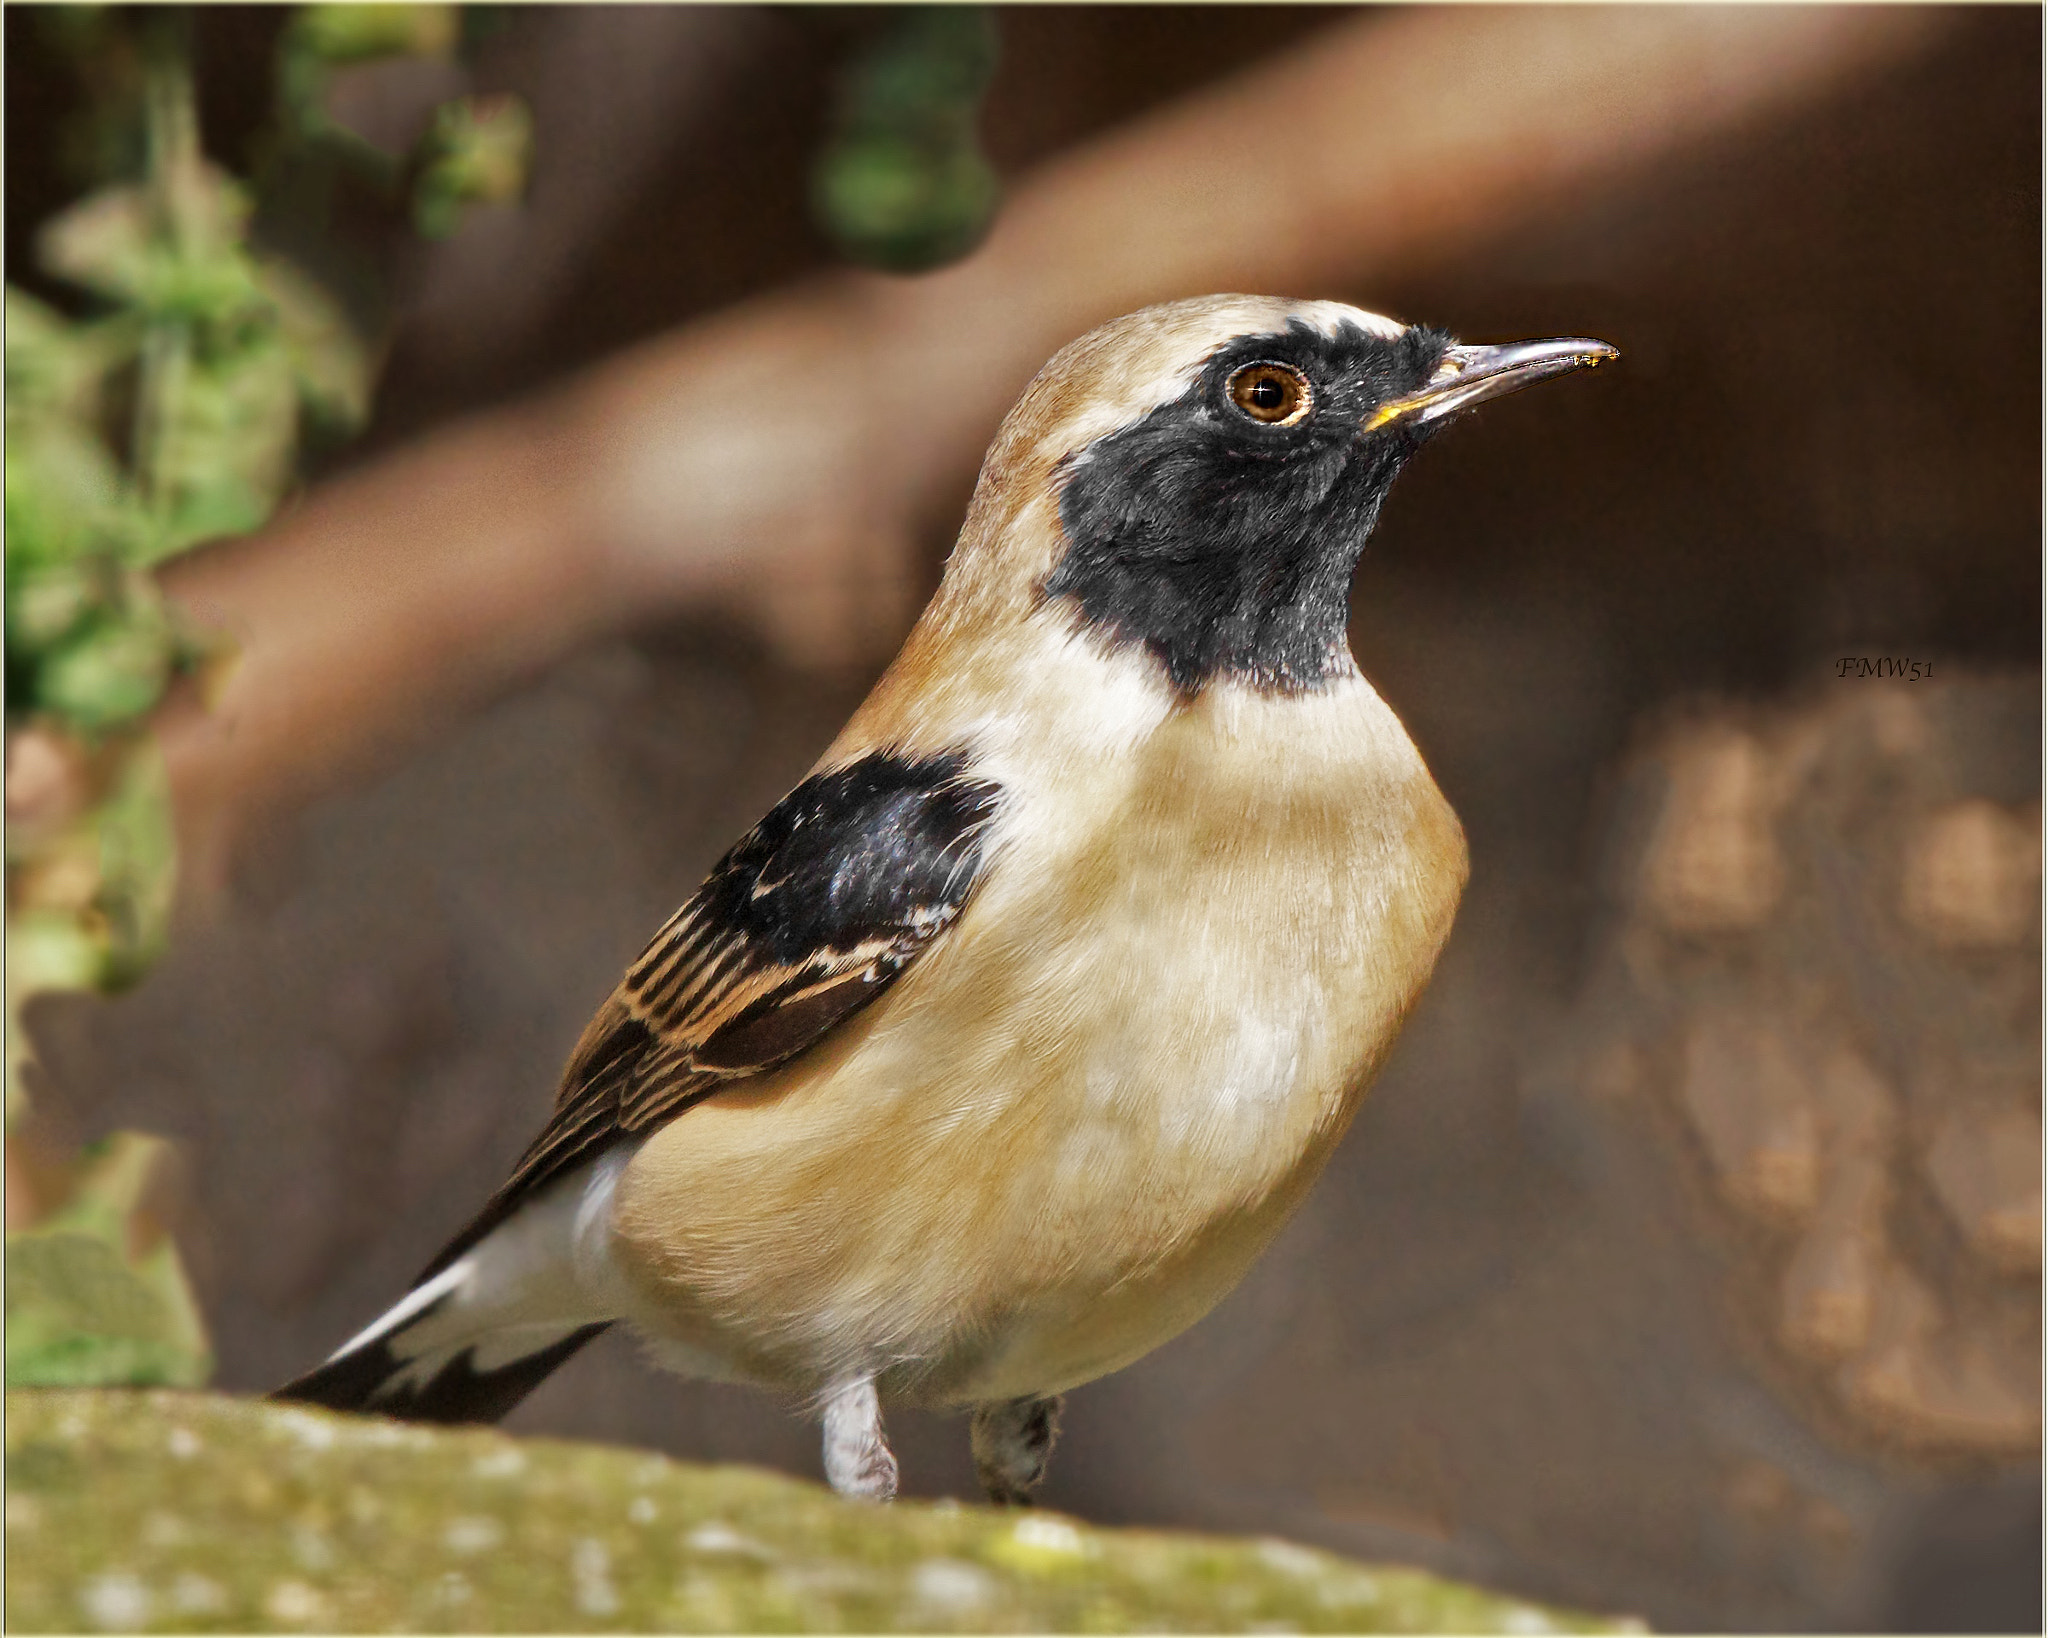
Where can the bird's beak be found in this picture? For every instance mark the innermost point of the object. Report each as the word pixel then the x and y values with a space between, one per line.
pixel 1471 375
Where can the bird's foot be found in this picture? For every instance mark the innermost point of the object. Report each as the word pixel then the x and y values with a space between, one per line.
pixel 858 1461
pixel 1012 1441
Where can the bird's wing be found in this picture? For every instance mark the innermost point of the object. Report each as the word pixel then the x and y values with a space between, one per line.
pixel 812 915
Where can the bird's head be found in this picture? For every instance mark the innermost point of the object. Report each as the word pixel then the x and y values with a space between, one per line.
pixel 1198 480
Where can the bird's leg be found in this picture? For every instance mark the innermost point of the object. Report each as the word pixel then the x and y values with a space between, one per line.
pixel 1012 1439
pixel 858 1461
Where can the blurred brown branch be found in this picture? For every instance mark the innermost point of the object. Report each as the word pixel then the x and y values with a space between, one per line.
pixel 780 460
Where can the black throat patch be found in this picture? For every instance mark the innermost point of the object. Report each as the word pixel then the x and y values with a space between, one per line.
pixel 1226 546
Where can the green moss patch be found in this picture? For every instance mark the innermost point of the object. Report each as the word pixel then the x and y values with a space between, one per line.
pixel 164 1511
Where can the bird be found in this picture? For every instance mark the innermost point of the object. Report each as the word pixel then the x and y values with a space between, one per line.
pixel 996 1053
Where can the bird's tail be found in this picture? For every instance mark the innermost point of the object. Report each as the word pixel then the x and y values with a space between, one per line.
pixel 478 1381
pixel 488 1321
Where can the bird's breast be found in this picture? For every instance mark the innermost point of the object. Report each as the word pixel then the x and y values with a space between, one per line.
pixel 1210 941
pixel 1066 1131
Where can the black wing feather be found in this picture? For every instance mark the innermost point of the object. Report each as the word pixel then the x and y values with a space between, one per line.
pixel 810 917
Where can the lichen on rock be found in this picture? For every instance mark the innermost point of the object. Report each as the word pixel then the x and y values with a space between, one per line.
pixel 185 1512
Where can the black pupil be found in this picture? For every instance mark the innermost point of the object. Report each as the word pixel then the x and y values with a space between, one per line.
pixel 1267 393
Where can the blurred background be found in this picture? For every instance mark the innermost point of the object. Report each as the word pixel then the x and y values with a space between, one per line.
pixel 1685 1261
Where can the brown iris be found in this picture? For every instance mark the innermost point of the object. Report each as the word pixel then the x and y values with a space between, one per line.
pixel 1271 393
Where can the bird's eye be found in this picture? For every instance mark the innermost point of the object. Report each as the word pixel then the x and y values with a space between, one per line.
pixel 1271 393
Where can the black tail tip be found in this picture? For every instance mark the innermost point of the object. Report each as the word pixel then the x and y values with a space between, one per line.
pixel 367 1379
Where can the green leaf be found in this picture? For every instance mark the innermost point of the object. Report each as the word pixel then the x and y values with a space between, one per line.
pixel 81 1310
pixel 48 601
pixel 109 674
pixel 903 184
pixel 65 496
pixel 924 76
pixel 477 153
pixel 904 206
pixel 56 367
pixel 49 950
pixel 77 1317
pixel 190 266
pixel 352 33
pixel 221 438
pixel 329 362
pixel 138 866
pixel 101 243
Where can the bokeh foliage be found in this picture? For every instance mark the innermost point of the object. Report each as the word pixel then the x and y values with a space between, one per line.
pixel 476 150
pixel 169 404
pixel 903 184
pixel 95 1291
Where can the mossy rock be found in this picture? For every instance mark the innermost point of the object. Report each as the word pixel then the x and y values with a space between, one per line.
pixel 167 1511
